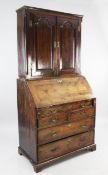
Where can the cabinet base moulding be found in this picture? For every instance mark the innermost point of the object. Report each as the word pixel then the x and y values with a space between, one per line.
pixel 40 166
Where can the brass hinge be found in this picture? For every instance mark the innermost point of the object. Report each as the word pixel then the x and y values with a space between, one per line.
pixel 56 44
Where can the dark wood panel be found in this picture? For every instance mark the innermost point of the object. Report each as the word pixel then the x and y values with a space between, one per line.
pixel 64 146
pixel 43 36
pixel 69 37
pixel 21 43
pixel 66 45
pixel 77 48
pixel 26 120
pixel 65 130
pixel 44 44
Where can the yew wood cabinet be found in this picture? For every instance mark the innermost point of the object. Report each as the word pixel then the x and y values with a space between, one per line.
pixel 56 107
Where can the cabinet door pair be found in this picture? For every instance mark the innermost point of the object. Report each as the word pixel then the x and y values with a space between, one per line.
pixel 54 45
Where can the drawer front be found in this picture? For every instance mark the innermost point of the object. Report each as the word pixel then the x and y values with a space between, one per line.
pixel 62 131
pixel 58 148
pixel 66 117
pixel 57 111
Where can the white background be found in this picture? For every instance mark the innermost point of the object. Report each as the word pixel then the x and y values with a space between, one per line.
pixel 94 59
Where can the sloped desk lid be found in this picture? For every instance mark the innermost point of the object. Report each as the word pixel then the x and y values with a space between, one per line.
pixel 59 91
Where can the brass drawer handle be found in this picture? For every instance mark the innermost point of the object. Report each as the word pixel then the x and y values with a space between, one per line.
pixel 59 81
pixel 69 125
pixel 53 133
pixel 82 105
pixel 53 120
pixel 83 126
pixel 54 149
pixel 69 140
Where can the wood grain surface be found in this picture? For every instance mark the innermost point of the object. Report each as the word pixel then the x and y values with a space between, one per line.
pixel 59 91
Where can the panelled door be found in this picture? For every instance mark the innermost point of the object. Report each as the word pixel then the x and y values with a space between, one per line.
pixel 68 39
pixel 42 33
pixel 54 45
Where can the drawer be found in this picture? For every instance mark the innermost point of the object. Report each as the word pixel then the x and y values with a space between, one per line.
pixel 61 147
pixel 61 110
pixel 72 116
pixel 62 131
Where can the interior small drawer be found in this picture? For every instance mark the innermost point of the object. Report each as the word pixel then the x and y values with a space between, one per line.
pixel 65 130
pixel 61 147
pixel 62 118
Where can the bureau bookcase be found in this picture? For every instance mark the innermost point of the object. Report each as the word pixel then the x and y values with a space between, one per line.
pixel 56 107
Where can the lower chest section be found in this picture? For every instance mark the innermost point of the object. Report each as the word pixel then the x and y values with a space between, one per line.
pixel 65 128
pixel 65 146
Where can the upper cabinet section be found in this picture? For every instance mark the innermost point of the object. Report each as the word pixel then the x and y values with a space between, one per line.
pixel 48 43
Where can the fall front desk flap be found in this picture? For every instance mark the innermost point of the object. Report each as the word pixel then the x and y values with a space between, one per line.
pixel 59 91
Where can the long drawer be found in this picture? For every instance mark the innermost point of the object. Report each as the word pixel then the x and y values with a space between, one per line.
pixel 62 131
pixel 71 116
pixel 61 147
